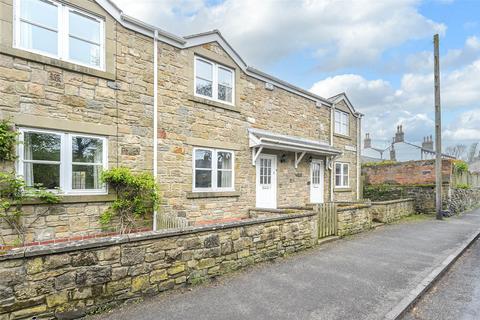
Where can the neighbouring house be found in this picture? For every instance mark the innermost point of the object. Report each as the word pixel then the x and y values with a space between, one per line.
pixel 90 88
pixel 399 149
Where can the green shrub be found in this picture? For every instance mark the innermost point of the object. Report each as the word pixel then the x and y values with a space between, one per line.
pixel 8 140
pixel 14 193
pixel 460 166
pixel 137 197
pixel 464 186
pixel 378 164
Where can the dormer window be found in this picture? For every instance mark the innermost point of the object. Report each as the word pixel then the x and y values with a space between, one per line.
pixel 214 81
pixel 56 30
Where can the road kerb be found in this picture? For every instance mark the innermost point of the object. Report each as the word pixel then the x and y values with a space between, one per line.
pixel 407 302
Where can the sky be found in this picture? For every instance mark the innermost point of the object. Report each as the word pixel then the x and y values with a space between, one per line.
pixel 380 52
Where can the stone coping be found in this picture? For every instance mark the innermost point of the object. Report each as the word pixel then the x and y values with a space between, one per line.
pixel 27 252
pixel 393 201
pixel 353 207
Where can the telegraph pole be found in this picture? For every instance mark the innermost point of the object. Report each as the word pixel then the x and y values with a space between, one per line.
pixel 438 131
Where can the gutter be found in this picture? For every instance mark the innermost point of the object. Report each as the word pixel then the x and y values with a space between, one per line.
pixel 155 118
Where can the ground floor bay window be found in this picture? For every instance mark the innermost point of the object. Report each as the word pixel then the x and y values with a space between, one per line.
pixel 69 162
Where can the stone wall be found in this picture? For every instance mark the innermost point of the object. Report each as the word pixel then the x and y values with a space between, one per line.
pixel 70 280
pixel 461 200
pixel 354 219
pixel 423 195
pixel 389 211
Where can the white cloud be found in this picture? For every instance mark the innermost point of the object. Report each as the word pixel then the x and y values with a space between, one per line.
pixel 454 58
pixel 412 103
pixel 466 127
pixel 342 33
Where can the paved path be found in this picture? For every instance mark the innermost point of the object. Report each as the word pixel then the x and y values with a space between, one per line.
pixel 360 277
pixel 456 295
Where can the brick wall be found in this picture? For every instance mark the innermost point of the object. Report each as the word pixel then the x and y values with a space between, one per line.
pixel 406 173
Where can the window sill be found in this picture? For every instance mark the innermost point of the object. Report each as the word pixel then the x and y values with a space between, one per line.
pixel 212 103
pixel 339 135
pixel 80 198
pixel 56 62
pixel 213 194
pixel 337 189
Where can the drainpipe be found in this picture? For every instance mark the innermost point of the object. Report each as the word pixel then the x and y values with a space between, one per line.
pixel 155 115
pixel 332 169
pixel 359 135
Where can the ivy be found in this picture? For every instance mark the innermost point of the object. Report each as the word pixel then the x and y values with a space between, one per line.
pixel 8 140
pixel 464 186
pixel 137 197
pixel 14 193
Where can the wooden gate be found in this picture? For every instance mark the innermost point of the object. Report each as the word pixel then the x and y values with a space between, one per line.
pixel 327 219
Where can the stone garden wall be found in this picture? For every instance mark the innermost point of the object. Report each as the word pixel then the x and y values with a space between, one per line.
pixel 354 219
pixel 460 200
pixel 70 280
pixel 389 211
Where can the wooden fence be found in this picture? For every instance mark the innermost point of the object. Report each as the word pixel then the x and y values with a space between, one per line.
pixel 327 219
pixel 466 178
pixel 165 221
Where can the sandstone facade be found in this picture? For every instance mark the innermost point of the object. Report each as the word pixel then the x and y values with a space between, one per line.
pixel 41 92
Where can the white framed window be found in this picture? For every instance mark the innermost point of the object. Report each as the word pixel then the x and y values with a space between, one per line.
pixel 213 170
pixel 69 162
pixel 56 30
pixel 342 175
pixel 214 81
pixel 341 123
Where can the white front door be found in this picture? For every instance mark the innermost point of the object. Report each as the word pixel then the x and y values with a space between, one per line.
pixel 266 181
pixel 316 181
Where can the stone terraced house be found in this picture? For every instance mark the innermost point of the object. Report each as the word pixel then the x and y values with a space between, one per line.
pixel 84 84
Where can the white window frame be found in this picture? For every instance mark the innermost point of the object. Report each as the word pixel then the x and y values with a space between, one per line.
pixel 342 174
pixel 215 67
pixel 214 170
pixel 66 162
pixel 342 125
pixel 62 34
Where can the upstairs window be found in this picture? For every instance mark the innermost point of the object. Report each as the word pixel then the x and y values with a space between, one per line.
pixel 59 31
pixel 212 170
pixel 214 81
pixel 70 162
pixel 341 123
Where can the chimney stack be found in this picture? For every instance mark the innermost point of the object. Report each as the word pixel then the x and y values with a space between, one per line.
pixel 399 135
pixel 427 143
pixel 367 142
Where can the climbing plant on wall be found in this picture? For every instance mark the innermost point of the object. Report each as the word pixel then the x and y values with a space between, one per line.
pixel 137 197
pixel 8 141
pixel 14 193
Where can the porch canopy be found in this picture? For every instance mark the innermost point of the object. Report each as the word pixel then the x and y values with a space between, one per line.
pixel 262 139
